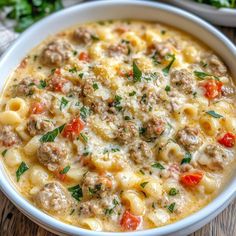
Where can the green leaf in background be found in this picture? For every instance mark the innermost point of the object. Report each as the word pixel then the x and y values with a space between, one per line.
pixel 26 12
pixel 219 3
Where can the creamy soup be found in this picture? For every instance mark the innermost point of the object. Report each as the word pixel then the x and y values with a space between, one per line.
pixel 119 125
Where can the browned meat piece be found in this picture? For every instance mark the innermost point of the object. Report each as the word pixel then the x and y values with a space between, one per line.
pixel 100 207
pixel 215 66
pixel 97 185
pixel 38 124
pixel 215 157
pixel 26 87
pixel 149 98
pixel 153 128
pixel 140 153
pixel 56 53
pixel 117 50
pixel 59 84
pixel 228 91
pixel 83 35
pixel 51 155
pixel 162 48
pixel 53 198
pixel 127 132
pixel 182 80
pixel 8 137
pixel 189 138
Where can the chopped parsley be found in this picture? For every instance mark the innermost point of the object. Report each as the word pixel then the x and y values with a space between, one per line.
pixel 187 158
pixel 214 114
pixel 143 184
pixel 202 75
pixel 65 170
pixel 117 103
pixel 142 130
pixel 75 53
pixel 137 73
pixel 127 118
pixel 51 135
pixel 167 88
pixel 94 37
pixel 158 166
pixel 42 84
pixel 163 32
pixel 84 112
pixel 109 211
pixel 4 152
pixel 72 212
pixel 132 93
pixel 95 86
pixel 81 75
pixel 142 172
pixel 173 192
pixel 96 189
pixel 84 137
pixel 21 170
pixel 76 192
pixel 171 207
pixel 167 68
pixel 73 70
pixel 63 104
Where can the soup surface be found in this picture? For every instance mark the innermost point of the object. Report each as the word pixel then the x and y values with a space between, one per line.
pixel 119 125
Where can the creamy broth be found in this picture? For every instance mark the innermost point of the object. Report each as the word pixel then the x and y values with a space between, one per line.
pixel 119 125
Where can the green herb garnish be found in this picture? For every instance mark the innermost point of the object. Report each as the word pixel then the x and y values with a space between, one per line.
pixel 132 93
pixel 21 170
pixel 27 12
pixel 84 112
pixel 42 84
pixel 65 170
pixel 137 73
pixel 214 114
pixel 143 184
pixel 158 166
pixel 173 192
pixel 96 189
pixel 167 68
pixel 63 104
pixel 109 211
pixel 187 158
pixel 84 137
pixel 167 88
pixel 76 192
pixel 4 152
pixel 95 86
pixel 171 207
pixel 202 75
pixel 51 135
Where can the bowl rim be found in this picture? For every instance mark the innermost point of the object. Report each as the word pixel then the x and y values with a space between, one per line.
pixel 48 221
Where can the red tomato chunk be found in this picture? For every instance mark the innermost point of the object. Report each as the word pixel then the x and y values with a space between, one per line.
pixel 191 179
pixel 73 129
pixel 212 88
pixel 129 221
pixel 228 140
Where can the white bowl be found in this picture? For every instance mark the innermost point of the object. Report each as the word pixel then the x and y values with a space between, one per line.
pixel 118 9
pixel 221 16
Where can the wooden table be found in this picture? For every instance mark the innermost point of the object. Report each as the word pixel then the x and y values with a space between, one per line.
pixel 13 223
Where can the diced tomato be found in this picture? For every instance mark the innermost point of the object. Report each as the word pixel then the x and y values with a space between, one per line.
pixel 83 56
pixel 73 129
pixel 61 177
pixel 191 179
pixel 129 221
pixel 228 140
pixel 57 83
pixel 212 88
pixel 36 108
pixel 57 71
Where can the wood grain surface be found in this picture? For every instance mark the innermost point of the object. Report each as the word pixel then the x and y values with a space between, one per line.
pixel 14 223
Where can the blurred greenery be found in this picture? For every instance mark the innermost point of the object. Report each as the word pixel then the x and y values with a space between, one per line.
pixel 219 3
pixel 26 12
